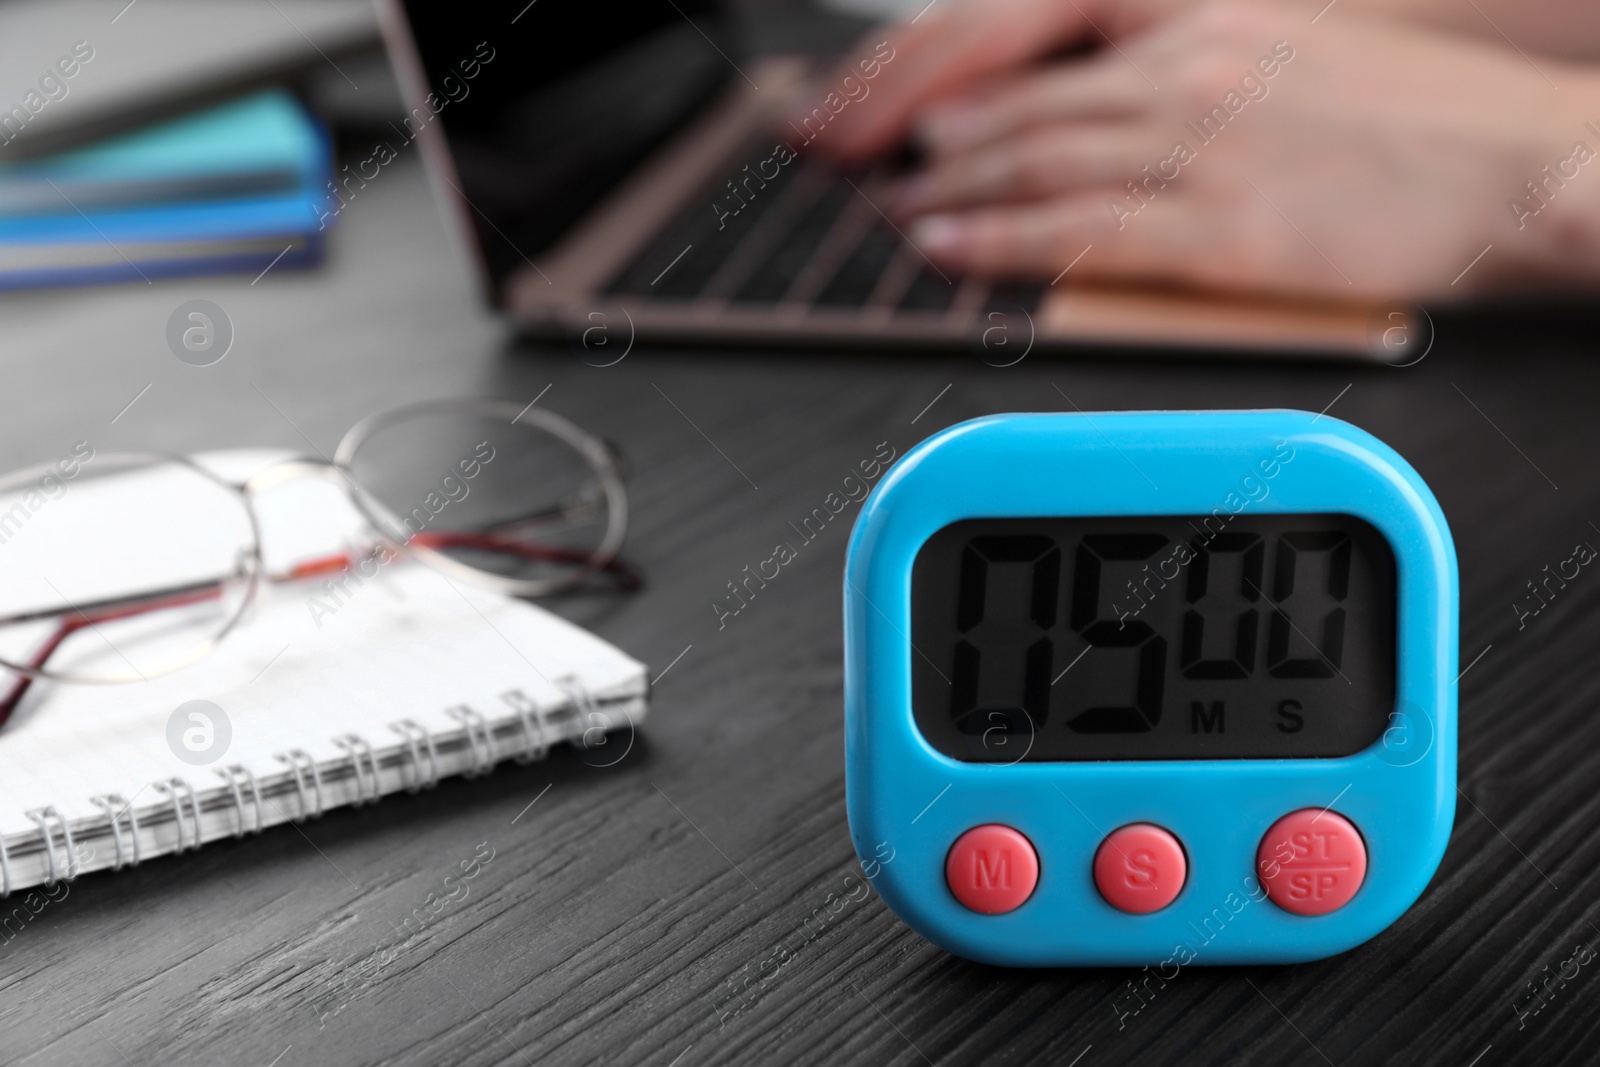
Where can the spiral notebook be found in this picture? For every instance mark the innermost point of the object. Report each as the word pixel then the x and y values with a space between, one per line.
pixel 411 678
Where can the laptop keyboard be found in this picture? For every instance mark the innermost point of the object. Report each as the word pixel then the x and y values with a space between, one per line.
pixel 809 241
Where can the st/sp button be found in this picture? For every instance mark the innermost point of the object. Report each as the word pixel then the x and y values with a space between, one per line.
pixel 1312 861
pixel 992 869
pixel 1140 868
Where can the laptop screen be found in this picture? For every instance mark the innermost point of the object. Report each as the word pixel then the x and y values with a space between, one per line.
pixel 547 105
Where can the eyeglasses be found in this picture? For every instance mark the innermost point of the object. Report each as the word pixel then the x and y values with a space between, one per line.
pixel 121 567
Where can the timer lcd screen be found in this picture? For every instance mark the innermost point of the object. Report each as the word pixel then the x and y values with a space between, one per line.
pixel 1153 637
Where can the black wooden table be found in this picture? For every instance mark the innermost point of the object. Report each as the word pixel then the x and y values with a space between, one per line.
pixel 632 915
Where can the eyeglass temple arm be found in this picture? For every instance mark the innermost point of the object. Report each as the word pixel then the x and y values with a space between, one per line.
pixel 91 615
pixel 627 578
pixel 181 595
pixel 626 575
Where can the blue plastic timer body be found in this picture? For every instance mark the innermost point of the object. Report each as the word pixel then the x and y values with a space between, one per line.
pixel 1399 792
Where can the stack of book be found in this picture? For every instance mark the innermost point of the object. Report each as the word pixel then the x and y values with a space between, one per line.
pixel 239 186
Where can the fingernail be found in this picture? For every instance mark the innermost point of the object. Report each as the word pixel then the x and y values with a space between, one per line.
pixel 940 235
pixel 954 128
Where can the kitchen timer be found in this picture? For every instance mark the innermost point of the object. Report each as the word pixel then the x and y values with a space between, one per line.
pixel 1151 687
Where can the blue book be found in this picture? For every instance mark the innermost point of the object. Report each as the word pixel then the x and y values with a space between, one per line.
pixel 263 143
pixel 231 188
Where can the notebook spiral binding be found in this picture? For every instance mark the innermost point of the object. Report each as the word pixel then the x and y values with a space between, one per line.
pixel 479 736
pixel 231 774
pixel 110 803
pixel 358 748
pixel 420 748
pixel 300 761
pixel 176 788
pixel 411 732
pixel 42 816
pixel 534 732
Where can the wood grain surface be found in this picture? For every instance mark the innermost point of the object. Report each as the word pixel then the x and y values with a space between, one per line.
pixel 688 906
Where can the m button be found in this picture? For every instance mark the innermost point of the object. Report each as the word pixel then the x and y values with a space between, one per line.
pixel 992 869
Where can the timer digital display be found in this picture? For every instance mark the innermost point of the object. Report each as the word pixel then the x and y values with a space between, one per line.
pixel 1167 637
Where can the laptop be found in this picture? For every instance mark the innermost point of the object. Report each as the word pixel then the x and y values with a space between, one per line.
pixel 626 168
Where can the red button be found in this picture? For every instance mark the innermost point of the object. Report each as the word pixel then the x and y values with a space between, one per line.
pixel 1312 861
pixel 992 869
pixel 1140 868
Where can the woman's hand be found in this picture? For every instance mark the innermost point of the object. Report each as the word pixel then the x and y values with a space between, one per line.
pixel 954 44
pixel 1237 145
